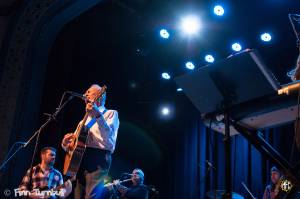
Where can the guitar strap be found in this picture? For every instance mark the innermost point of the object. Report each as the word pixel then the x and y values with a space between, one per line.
pixel 93 121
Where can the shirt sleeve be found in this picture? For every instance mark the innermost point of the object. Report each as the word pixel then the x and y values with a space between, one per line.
pixel 25 181
pixel 266 193
pixel 109 124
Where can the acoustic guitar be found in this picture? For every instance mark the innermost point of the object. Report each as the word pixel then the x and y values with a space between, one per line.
pixel 77 147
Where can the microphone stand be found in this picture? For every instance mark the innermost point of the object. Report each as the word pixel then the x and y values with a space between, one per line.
pixel 208 168
pixel 51 117
pixel 244 185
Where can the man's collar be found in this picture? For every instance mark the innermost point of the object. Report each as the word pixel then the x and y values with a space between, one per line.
pixel 43 171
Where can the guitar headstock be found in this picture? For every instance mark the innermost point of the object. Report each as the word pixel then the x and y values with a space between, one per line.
pixel 101 93
pixel 98 95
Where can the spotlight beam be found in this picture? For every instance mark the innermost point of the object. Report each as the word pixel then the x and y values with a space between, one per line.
pixel 190 25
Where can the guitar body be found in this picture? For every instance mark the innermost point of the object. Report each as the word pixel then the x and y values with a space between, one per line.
pixel 47 191
pixel 74 155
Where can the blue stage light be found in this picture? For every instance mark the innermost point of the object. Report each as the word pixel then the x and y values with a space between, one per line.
pixel 165 76
pixel 164 33
pixel 209 58
pixel 189 65
pixel 165 111
pixel 190 24
pixel 266 37
pixel 236 47
pixel 219 10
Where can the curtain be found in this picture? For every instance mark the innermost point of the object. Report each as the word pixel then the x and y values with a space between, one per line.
pixel 194 178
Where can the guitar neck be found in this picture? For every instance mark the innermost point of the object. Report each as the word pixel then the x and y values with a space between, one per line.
pixel 82 124
pixel 64 184
pixel 84 118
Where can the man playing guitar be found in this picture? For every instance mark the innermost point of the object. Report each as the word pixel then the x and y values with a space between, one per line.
pixel 101 126
pixel 44 175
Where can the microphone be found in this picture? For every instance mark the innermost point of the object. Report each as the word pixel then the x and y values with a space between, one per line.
pixel 74 94
pixel 210 165
pixel 24 144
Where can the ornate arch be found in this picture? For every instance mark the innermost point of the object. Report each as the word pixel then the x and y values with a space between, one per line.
pixel 25 58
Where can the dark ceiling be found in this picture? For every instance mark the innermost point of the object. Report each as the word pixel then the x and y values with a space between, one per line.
pixel 118 41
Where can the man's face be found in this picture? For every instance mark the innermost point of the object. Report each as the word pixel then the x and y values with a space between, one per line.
pixel 137 177
pixel 92 93
pixel 49 157
pixel 275 176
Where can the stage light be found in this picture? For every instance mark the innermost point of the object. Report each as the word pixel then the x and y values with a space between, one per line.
pixel 190 24
pixel 164 33
pixel 133 86
pixel 236 47
pixel 179 90
pixel 218 10
pixel 266 37
pixel 189 65
pixel 165 111
pixel 165 76
pixel 209 58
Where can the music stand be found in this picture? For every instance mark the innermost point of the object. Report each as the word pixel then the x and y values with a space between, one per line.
pixel 218 87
